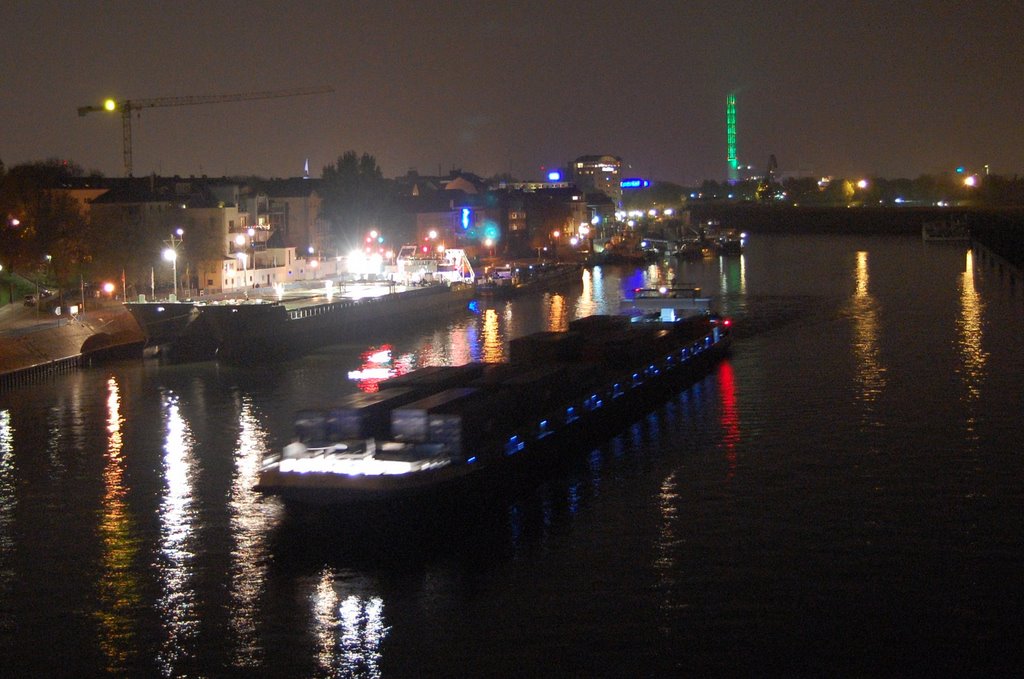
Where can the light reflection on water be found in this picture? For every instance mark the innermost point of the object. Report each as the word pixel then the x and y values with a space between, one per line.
pixel 973 357
pixel 969 332
pixel 349 629
pixel 119 591
pixel 177 603
pixel 679 508
pixel 864 311
pixel 249 518
pixel 493 349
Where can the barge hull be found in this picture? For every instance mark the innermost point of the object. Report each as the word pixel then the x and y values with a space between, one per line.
pixel 591 403
pixel 259 332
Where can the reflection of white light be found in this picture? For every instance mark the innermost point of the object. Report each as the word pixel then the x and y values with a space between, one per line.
pixel 177 601
pixel 325 601
pixel 362 629
pixel 248 523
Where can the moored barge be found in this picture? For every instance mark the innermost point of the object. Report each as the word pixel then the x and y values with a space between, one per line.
pixel 256 329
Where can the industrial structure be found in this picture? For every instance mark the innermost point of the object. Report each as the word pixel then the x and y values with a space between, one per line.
pixel 730 138
pixel 128 106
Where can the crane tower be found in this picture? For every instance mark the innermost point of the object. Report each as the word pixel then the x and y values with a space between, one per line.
pixel 128 106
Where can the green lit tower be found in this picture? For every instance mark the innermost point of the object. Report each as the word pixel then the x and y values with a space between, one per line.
pixel 730 137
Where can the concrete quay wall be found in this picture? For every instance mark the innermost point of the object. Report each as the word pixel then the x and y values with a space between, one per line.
pixel 33 348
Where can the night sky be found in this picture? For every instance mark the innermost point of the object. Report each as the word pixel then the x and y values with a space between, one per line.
pixel 892 89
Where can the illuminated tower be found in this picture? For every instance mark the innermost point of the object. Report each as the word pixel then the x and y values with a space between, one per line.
pixel 730 137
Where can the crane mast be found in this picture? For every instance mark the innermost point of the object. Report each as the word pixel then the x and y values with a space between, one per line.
pixel 128 106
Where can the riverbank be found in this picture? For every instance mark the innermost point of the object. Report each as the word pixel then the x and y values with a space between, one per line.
pixel 30 338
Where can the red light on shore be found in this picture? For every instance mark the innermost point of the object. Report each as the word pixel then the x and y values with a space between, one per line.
pixel 727 322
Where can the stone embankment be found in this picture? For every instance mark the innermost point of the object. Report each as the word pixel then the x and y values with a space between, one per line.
pixel 30 347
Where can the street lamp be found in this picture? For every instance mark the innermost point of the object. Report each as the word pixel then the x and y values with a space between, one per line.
pixel 171 255
pixel 244 259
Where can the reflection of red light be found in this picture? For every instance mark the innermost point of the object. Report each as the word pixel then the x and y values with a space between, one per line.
pixel 730 416
pixel 376 367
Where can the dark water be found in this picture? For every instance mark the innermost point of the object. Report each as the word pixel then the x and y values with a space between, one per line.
pixel 843 496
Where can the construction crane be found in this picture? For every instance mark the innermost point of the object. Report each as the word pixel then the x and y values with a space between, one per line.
pixel 128 106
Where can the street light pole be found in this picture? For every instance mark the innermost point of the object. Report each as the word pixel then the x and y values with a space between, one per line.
pixel 171 255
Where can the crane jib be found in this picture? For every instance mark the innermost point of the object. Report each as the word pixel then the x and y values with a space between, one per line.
pixel 128 105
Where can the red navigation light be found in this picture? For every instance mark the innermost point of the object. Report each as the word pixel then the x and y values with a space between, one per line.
pixel 727 322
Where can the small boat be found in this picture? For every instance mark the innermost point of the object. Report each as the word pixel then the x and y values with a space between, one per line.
pixel 694 248
pixel 508 280
pixel 730 243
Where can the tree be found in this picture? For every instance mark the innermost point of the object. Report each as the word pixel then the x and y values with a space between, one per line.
pixel 43 233
pixel 356 197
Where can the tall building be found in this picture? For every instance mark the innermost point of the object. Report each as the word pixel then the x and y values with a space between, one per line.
pixel 599 173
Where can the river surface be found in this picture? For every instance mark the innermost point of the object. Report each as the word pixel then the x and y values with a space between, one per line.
pixel 844 495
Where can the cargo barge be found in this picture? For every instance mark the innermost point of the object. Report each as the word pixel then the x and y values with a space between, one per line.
pixel 444 429
pixel 267 328
pixel 284 321
pixel 257 330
